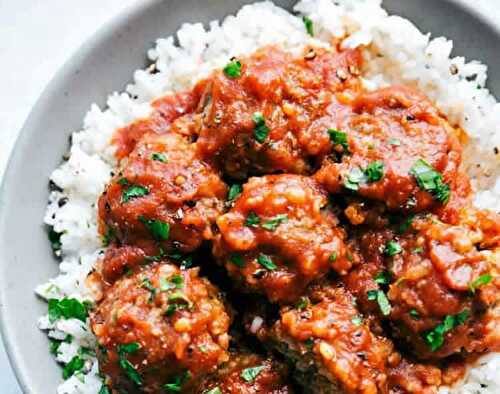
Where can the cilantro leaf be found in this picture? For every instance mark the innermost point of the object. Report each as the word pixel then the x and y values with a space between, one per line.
pixel 435 338
pixel 233 69
pixel 381 298
pixel 177 383
pixel 374 171
pixel 430 180
pixel 67 308
pixel 339 138
pixel 266 262
pixel 234 192
pixel 273 223
pixel 481 281
pixel 159 230
pixel 76 364
pixel 354 179
pixel 383 278
pixel 134 191
pixel 174 282
pixel 130 370
pixel 308 23
pixel 215 390
pixel 157 156
pixel 252 220
pixel 260 131
pixel 249 374
pixel 392 248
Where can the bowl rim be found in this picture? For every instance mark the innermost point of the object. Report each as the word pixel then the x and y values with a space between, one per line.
pixel 104 33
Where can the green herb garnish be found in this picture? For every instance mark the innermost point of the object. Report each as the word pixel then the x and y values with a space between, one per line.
pixel 159 157
pixel 374 171
pixel 357 320
pixel 234 192
pixel 273 223
pixel 233 69
pixel 215 390
pixel 383 278
pixel 481 281
pixel 260 131
pixel 67 308
pixel 159 230
pixel 302 304
pixel 339 138
pixel 435 337
pixel 414 314
pixel 174 282
pixel 104 390
pixel 266 262
pixel 134 191
pixel 252 220
pixel 354 179
pixel 308 23
pixel 392 248
pixel 430 180
pixel 76 364
pixel 394 141
pixel 333 257
pixel 146 284
pixel 249 374
pixel 176 385
pixel 381 298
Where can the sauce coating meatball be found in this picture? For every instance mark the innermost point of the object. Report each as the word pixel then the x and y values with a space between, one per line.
pixel 275 113
pixel 247 373
pixel 328 340
pixel 279 236
pixel 159 328
pixel 164 194
pixel 389 147
pixel 436 283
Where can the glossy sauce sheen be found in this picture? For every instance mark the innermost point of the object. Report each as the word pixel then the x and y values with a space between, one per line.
pixel 366 286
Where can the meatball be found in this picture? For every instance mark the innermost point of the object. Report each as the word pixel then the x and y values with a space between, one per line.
pixel 330 344
pixel 272 114
pixel 247 373
pixel 164 195
pixel 435 283
pixel 279 236
pixel 395 148
pixel 160 328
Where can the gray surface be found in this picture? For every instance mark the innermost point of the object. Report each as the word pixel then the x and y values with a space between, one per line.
pixel 104 65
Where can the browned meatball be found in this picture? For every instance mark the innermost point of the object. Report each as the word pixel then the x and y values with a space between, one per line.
pixel 380 146
pixel 247 373
pixel 164 194
pixel 330 344
pixel 279 236
pixel 435 282
pixel 274 113
pixel 160 328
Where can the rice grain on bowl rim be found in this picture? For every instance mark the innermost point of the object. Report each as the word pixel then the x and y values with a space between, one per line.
pixel 395 52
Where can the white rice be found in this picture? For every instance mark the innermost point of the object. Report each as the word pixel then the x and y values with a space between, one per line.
pixel 396 52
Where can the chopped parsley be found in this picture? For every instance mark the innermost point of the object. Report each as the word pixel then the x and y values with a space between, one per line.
pixel 333 257
pixel 405 224
pixel 260 131
pixel 76 364
pixel 134 191
pixel 123 181
pixel 339 138
pixel 176 385
pixel 392 248
pixel 174 282
pixel 383 278
pixel 234 192
pixel 308 23
pixel 381 298
pixel 233 69
pixel 273 223
pixel 108 237
pixel 481 281
pixel 357 320
pixel 177 301
pixel 266 262
pixel 128 368
pixel 249 374
pixel 418 250
pixel 237 259
pixel 159 157
pixel 129 348
pixel 159 230
pixel 252 220
pixel 215 390
pixel 430 180
pixel 374 171
pixel 67 308
pixel 54 347
pixel 414 314
pixel 435 337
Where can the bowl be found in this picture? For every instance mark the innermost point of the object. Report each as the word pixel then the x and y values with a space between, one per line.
pixel 105 64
